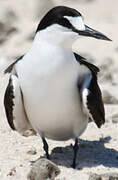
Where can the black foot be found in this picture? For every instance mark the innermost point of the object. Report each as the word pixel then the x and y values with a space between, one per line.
pixel 45 147
pixel 75 148
pixel 73 166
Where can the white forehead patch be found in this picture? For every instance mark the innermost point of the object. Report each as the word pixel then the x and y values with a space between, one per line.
pixel 77 22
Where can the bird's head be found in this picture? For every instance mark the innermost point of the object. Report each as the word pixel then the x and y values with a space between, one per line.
pixel 64 25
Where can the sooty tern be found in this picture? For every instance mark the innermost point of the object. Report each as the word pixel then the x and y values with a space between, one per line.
pixel 51 89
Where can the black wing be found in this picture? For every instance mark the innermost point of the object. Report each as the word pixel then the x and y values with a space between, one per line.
pixel 93 103
pixel 9 104
pixel 14 106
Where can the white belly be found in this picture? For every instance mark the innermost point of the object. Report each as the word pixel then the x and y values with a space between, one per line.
pixel 52 101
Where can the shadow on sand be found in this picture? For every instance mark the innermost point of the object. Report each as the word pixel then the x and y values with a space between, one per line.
pixel 90 154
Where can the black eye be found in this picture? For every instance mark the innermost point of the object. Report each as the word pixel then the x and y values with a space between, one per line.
pixel 65 22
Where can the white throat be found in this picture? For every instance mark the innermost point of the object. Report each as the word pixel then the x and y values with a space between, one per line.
pixel 47 52
pixel 57 36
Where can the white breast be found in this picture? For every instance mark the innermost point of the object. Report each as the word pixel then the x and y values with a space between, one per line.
pixel 52 102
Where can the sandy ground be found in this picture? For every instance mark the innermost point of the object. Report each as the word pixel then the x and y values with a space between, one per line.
pixel 98 149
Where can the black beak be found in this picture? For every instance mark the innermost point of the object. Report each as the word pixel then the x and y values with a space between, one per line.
pixel 93 33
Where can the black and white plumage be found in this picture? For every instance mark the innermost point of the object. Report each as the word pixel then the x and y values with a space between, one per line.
pixel 51 89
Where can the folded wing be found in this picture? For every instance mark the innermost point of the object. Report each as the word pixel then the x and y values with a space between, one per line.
pixel 14 106
pixel 90 92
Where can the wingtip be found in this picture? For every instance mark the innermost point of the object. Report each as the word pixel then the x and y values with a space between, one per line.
pixel 108 39
pixel 105 38
pixel 101 123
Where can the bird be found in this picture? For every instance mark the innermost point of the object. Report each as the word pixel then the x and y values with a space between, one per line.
pixel 52 89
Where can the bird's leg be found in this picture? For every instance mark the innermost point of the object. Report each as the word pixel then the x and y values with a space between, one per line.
pixel 75 148
pixel 45 147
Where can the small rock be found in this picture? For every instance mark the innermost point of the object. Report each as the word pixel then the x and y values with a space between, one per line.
pixel 29 132
pixel 12 172
pixel 32 151
pixel 115 118
pixel 107 176
pixel 43 169
pixel 108 98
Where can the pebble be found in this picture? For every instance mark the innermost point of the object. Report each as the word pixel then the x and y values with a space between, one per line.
pixel 32 151
pixel 29 132
pixel 108 98
pixel 115 118
pixel 107 176
pixel 12 172
pixel 43 169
